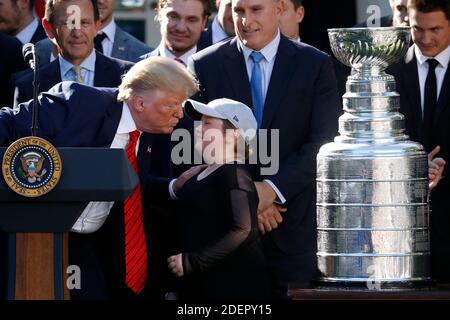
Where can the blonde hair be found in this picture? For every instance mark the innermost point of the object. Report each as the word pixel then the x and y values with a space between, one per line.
pixel 157 73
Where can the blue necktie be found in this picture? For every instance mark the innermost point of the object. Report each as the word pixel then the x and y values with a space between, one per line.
pixel 256 86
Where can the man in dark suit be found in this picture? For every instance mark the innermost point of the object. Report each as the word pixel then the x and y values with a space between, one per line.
pixel 221 27
pixel 17 19
pixel 423 81
pixel 111 40
pixel 149 99
pixel 291 88
pixel 11 61
pixel 77 61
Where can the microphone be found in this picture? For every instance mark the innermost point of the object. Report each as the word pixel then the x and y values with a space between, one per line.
pixel 29 54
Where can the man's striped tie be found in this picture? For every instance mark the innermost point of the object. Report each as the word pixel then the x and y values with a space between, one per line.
pixel 135 245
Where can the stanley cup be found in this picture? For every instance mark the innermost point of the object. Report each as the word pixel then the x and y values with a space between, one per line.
pixel 372 187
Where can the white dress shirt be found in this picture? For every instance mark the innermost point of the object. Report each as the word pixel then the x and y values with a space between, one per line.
pixel 269 52
pixel 87 69
pixel 108 42
pixel 422 67
pixel 95 213
pixel 164 52
pixel 27 33
pixel 218 34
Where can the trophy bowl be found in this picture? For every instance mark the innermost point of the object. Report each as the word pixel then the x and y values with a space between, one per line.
pixel 379 47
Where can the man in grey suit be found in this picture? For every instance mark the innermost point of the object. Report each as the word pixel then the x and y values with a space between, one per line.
pixel 115 42
pixel 111 40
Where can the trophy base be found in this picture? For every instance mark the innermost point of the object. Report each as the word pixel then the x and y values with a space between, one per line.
pixel 426 284
pixel 354 290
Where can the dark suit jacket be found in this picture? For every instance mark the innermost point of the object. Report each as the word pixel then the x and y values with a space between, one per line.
pixel 39 34
pixel 407 80
pixel 74 115
pixel 108 72
pixel 303 103
pixel 11 61
pixel 205 39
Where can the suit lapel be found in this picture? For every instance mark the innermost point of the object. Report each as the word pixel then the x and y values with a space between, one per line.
pixel 119 45
pixel 412 90
pixel 237 73
pixel 111 121
pixel 39 34
pixel 444 97
pixel 101 69
pixel 144 155
pixel 51 75
pixel 279 80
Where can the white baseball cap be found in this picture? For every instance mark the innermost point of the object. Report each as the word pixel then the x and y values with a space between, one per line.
pixel 239 115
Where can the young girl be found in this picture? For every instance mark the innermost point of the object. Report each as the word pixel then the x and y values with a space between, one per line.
pixel 221 256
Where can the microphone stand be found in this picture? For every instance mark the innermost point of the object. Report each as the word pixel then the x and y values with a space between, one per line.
pixel 35 112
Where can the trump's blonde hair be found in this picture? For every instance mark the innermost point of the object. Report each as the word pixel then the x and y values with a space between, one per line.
pixel 157 73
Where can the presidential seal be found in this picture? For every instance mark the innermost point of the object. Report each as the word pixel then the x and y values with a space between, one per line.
pixel 31 166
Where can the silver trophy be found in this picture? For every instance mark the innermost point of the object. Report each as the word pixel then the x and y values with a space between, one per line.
pixel 372 186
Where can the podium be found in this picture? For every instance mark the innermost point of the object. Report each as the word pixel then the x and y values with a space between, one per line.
pixel 37 228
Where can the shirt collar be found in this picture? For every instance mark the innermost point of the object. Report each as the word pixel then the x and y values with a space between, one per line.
pixel 269 51
pixel 217 32
pixel 110 30
pixel 27 33
pixel 87 64
pixel 164 52
pixel 126 123
pixel 443 57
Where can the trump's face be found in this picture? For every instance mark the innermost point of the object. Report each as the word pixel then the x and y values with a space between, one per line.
pixel 256 21
pixel 157 111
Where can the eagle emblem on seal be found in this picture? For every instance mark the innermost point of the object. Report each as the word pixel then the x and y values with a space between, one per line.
pixel 32 166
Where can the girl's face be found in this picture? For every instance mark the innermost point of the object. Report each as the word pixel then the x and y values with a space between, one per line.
pixel 213 142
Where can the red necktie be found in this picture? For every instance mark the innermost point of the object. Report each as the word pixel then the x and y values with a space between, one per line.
pixel 135 245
